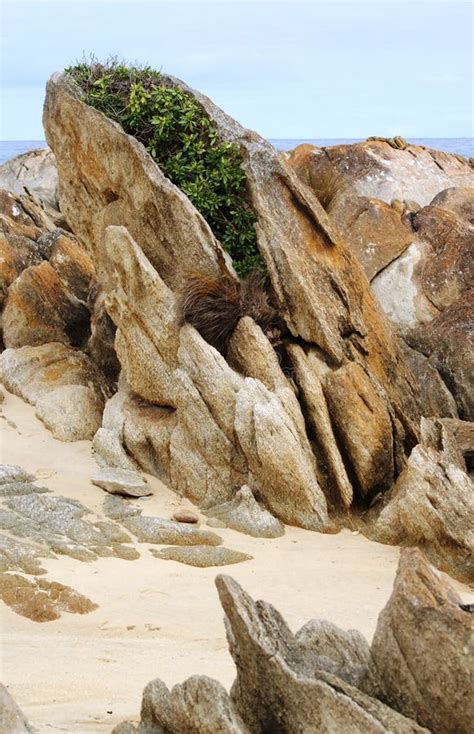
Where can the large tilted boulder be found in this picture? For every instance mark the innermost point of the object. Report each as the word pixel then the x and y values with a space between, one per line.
pixel 380 169
pixel 432 503
pixel 423 649
pixel 326 680
pixel 107 178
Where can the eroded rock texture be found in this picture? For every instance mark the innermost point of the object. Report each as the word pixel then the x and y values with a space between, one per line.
pixel 323 679
pixel 423 649
pixel 206 425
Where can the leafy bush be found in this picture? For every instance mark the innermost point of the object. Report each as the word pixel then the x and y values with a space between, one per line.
pixel 184 143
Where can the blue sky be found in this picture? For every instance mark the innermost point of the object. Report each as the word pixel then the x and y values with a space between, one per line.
pixel 286 69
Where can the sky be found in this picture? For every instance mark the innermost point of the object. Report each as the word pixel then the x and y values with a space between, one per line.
pixel 320 69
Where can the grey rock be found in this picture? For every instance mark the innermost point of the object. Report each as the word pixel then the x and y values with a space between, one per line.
pixel 184 514
pixel 121 481
pixel 202 556
pixel 33 172
pixel 245 514
pixel 13 489
pixel 12 473
pixel 423 649
pixel 294 698
pixel 167 532
pixel 12 720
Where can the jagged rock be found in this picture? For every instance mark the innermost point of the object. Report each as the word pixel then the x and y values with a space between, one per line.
pixel 308 682
pixel 62 383
pixel 15 219
pixel 423 649
pixel 12 720
pixel 373 230
pixel 73 265
pixel 202 556
pixel 33 172
pixel 245 514
pixel 447 271
pixel 459 200
pixel 220 431
pixel 346 654
pixel 184 514
pixel 432 503
pixel 377 169
pixel 436 399
pixel 121 481
pixel 12 473
pixel 463 432
pixel 199 705
pixel 41 600
pixel 448 342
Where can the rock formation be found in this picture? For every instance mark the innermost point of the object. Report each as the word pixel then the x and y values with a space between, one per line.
pixel 417 673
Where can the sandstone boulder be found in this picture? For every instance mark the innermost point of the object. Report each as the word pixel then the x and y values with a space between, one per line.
pixel 62 383
pixel 423 649
pixel 378 169
pixel 245 514
pixel 121 481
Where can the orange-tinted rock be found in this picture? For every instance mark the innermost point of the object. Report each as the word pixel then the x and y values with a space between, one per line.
pixel 372 229
pixel 459 200
pixel 39 309
pixel 377 169
pixel 448 267
pixel 362 423
pixel 73 265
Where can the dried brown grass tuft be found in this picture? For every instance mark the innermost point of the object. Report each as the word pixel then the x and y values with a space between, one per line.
pixel 327 186
pixel 214 306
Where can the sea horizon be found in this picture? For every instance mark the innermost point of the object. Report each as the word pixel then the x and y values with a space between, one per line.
pixel 460 146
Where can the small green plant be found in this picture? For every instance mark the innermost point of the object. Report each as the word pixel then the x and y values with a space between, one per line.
pixel 183 141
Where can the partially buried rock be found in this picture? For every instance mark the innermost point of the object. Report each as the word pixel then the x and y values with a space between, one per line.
pixel 41 600
pixel 245 514
pixel 121 481
pixel 202 556
pixel 12 720
pixel 13 473
pixel 184 514
pixel 423 649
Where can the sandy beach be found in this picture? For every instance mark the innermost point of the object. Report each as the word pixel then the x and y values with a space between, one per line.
pixel 159 618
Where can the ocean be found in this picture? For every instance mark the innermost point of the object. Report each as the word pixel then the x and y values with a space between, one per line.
pixel 463 146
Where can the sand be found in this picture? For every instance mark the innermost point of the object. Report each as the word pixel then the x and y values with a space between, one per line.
pixel 159 618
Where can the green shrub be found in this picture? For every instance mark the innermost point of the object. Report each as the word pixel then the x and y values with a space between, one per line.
pixel 184 143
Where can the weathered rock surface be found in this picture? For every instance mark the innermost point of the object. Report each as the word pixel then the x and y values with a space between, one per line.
pixel 373 230
pixel 245 514
pixel 12 720
pixel 12 473
pixel 448 268
pixel 33 172
pixel 423 649
pixel 61 382
pixel 432 503
pixel 202 556
pixel 121 481
pixel 216 427
pixel 199 705
pixel 313 681
pixel 378 169
pixel 448 342
pixel 436 399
